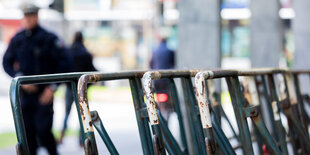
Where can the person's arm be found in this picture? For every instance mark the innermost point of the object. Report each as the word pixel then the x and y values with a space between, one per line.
pixel 9 59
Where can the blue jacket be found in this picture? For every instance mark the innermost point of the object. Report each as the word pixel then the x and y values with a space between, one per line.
pixel 36 51
pixel 162 57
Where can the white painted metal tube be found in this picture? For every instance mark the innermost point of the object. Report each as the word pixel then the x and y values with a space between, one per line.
pixel 202 98
pixel 149 96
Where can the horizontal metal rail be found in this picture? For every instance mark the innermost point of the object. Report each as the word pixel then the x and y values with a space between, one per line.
pixel 80 81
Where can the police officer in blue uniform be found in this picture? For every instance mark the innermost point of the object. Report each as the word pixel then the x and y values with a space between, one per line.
pixel 34 51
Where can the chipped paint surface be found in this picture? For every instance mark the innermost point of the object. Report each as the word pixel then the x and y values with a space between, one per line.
pixel 150 101
pixel 202 98
pixel 86 119
pixel 211 92
pixel 291 88
pixel 83 104
pixel 275 110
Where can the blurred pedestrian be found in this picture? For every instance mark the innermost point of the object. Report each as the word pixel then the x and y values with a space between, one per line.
pixel 163 58
pixel 82 62
pixel 34 51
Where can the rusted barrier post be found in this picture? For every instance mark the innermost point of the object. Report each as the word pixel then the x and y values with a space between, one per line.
pixel 280 133
pixel 90 142
pixel 141 115
pixel 205 115
pixel 152 113
pixel 239 105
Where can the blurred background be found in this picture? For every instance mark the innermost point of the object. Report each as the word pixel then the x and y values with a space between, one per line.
pixel 121 35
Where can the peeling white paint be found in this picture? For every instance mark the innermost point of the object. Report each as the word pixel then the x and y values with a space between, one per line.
pixel 149 97
pixel 202 98
pixel 87 116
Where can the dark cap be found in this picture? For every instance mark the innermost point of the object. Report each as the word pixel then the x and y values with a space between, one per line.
pixel 29 8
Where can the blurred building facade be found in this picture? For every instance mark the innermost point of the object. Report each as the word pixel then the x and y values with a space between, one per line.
pixel 124 32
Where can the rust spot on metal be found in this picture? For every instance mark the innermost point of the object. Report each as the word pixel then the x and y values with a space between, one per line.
pixel 201 104
pixel 150 101
pixel 203 87
pixel 254 112
pixel 94 78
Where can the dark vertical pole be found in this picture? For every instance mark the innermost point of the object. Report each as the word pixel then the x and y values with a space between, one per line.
pixel 145 136
pixel 280 133
pixel 194 117
pixel 300 105
pixel 76 101
pixel 22 145
pixel 238 105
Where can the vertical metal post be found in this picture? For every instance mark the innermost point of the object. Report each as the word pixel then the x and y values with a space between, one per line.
pixel 22 144
pixel 153 115
pixel 76 101
pixel 280 133
pixel 194 112
pixel 205 115
pixel 300 104
pixel 268 105
pixel 145 137
pixel 195 143
pixel 90 142
pixel 238 105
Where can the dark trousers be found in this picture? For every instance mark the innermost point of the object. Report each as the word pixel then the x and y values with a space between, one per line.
pixel 38 120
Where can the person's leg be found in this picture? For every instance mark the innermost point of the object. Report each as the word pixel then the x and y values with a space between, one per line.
pixel 43 124
pixel 28 110
pixel 30 131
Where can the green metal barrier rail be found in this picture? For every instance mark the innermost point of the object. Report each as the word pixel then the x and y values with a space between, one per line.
pixel 203 110
pixel 161 138
pixel 22 147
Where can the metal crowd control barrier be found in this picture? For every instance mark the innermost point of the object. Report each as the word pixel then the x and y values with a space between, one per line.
pixel 203 110
pixel 201 145
pixel 248 106
pixel 153 142
pixel 22 146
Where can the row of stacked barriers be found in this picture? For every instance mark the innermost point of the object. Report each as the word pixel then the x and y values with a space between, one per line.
pixel 201 120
